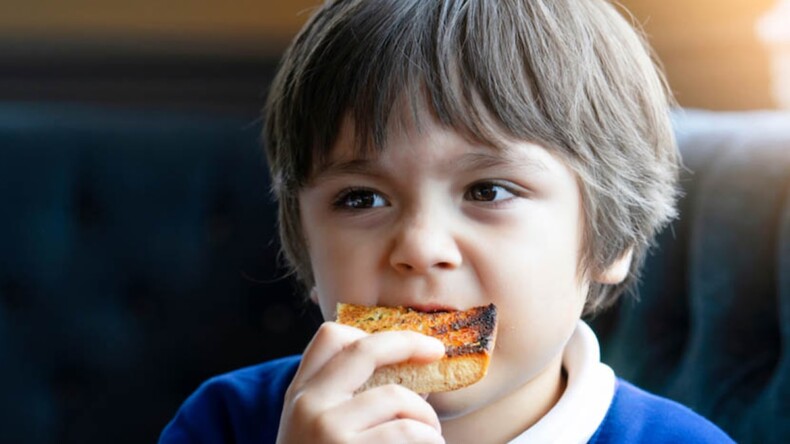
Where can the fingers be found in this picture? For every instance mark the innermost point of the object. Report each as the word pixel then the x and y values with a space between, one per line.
pixel 350 369
pixel 329 340
pixel 320 405
pixel 341 358
pixel 383 404
pixel 402 430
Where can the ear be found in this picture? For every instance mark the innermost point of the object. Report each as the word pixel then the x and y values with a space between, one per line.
pixel 617 271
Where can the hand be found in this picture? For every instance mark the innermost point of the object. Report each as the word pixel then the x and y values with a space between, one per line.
pixel 320 404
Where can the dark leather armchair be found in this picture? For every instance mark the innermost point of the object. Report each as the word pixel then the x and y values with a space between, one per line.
pixel 712 326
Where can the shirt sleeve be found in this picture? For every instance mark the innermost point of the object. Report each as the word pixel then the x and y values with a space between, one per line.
pixel 242 407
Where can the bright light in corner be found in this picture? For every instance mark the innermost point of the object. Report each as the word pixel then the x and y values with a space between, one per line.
pixel 774 29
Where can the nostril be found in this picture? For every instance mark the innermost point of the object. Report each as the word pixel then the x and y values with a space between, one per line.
pixel 444 265
pixel 404 267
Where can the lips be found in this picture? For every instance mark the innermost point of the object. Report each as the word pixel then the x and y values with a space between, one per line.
pixel 430 308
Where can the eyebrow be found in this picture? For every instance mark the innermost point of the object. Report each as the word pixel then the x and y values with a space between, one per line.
pixel 467 162
pixel 364 166
pixel 479 161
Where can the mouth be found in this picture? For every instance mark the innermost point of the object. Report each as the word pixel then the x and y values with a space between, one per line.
pixel 431 308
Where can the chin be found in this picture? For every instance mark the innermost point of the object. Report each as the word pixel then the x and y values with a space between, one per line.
pixel 449 406
pixel 458 403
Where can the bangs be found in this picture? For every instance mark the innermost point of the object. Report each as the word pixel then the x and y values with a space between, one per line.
pixel 383 62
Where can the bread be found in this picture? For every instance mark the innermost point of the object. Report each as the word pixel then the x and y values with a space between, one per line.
pixel 468 337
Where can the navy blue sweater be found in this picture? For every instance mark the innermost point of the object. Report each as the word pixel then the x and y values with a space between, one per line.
pixel 244 407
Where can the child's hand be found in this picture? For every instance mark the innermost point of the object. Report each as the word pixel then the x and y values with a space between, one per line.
pixel 320 405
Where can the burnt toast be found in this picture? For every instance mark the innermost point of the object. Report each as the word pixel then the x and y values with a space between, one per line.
pixel 468 336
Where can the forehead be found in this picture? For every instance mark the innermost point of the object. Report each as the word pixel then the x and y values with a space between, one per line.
pixel 411 122
pixel 435 146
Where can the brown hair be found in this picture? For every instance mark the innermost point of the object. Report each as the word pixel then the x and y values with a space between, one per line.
pixel 570 75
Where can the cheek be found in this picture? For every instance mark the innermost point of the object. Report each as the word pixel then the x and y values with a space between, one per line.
pixel 538 289
pixel 538 314
pixel 538 308
pixel 344 269
pixel 536 262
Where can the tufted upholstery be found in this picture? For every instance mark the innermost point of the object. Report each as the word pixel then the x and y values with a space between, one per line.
pixel 712 327
pixel 138 257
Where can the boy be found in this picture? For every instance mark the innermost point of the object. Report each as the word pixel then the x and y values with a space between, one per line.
pixel 445 154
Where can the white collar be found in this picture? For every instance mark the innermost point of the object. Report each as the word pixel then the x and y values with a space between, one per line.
pixel 587 397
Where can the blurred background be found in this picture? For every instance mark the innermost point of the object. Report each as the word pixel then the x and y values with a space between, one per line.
pixel 138 253
pixel 219 54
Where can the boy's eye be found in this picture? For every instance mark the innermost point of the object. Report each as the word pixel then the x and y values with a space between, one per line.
pixel 488 192
pixel 357 199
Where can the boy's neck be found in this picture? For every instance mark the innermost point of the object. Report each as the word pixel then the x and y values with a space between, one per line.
pixel 508 417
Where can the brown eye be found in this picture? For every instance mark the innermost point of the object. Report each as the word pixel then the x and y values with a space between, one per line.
pixel 483 193
pixel 488 192
pixel 360 200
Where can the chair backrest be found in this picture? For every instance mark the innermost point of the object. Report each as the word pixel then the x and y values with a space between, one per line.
pixel 711 327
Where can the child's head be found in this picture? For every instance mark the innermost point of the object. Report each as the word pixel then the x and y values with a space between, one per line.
pixel 570 76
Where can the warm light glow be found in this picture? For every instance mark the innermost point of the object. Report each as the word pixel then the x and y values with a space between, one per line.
pixel 774 29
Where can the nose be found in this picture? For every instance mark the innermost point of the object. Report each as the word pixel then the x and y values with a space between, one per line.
pixel 423 247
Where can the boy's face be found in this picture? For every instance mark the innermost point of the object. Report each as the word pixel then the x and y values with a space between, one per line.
pixel 437 222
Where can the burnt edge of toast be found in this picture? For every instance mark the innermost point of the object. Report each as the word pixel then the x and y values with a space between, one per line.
pixel 482 320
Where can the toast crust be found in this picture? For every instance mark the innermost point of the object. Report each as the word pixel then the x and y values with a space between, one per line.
pixel 468 336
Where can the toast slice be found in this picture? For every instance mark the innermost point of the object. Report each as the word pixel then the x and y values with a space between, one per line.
pixel 468 337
